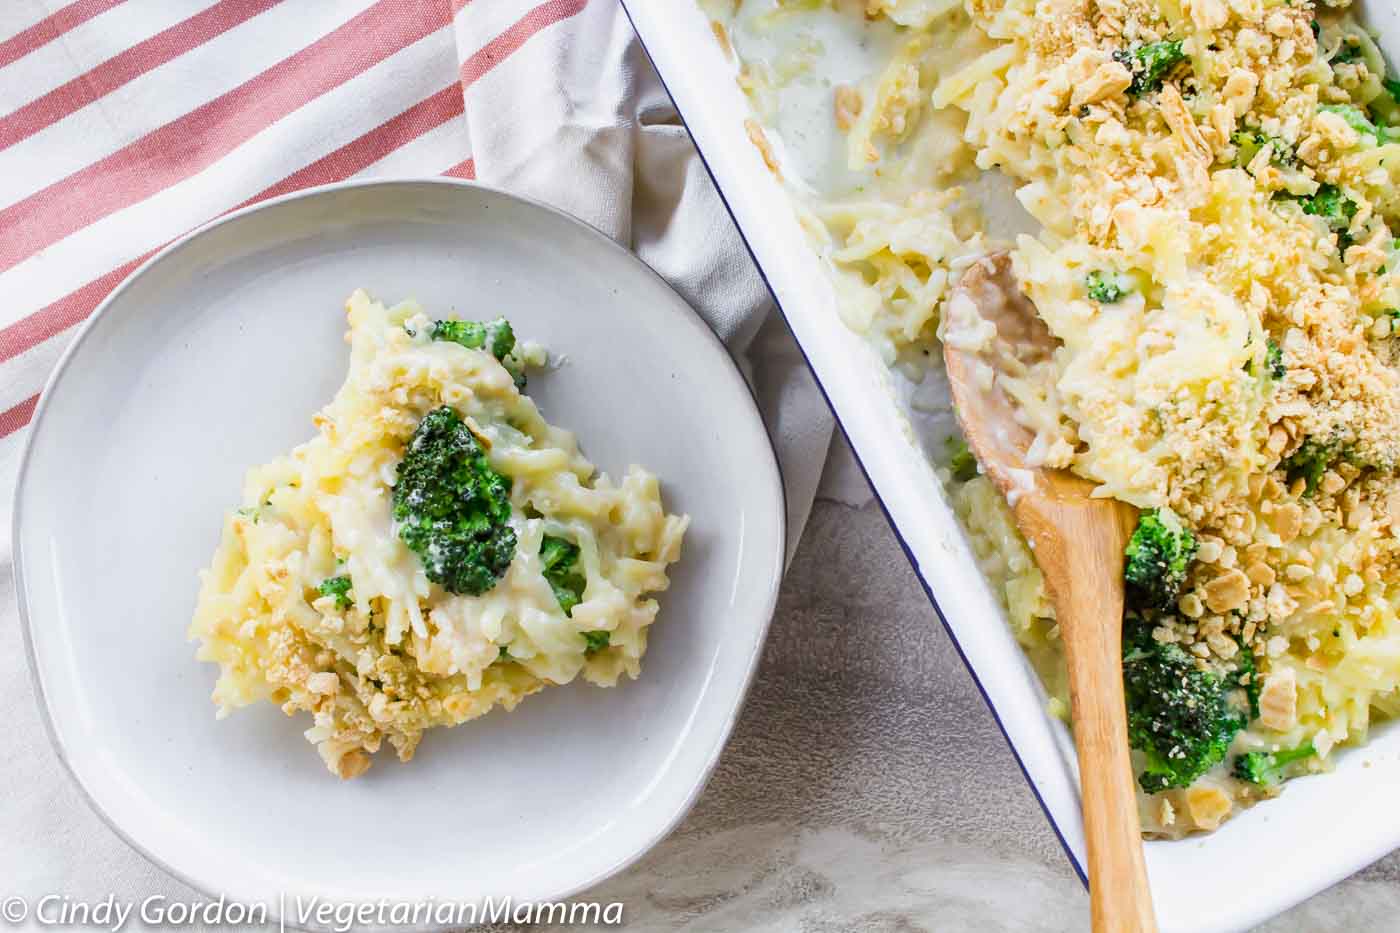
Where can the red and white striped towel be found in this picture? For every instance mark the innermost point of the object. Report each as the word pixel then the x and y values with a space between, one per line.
pixel 126 123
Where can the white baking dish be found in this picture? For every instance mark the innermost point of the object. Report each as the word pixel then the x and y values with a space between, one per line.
pixel 1262 861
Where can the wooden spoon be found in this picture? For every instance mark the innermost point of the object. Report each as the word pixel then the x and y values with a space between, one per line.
pixel 1078 543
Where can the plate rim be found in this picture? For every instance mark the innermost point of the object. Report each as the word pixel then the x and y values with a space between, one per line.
pixel 775 481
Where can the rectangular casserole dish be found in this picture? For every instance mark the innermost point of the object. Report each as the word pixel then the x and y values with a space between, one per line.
pixel 1259 863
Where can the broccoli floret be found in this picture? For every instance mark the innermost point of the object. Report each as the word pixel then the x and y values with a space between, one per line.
pixel 1392 88
pixel 596 641
pixel 1308 463
pixel 1354 118
pixel 1158 554
pixel 1106 287
pixel 339 587
pixel 452 509
pixel 495 337
pixel 1150 64
pixel 1334 207
pixel 1179 716
pixel 560 559
pixel 1248 144
pixel 1273 360
pixel 1269 769
pixel 961 461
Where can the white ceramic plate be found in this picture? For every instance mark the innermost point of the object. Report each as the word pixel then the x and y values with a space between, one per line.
pixel 1201 884
pixel 213 358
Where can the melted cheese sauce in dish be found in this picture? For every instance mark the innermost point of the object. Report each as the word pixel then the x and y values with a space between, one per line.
pixel 437 549
pixel 1199 197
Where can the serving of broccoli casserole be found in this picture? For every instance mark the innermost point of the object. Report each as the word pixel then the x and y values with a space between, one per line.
pixel 1207 189
pixel 435 550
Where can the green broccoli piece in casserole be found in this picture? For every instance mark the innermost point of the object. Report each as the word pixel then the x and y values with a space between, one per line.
pixel 451 508
pixel 1354 118
pixel 1157 557
pixel 1273 367
pixel 1273 360
pixel 495 337
pixel 559 556
pixel 1332 205
pixel 962 463
pixel 1269 769
pixel 339 587
pixel 1150 64
pixel 596 641
pixel 1248 144
pixel 1309 462
pixel 1180 716
pixel 1106 287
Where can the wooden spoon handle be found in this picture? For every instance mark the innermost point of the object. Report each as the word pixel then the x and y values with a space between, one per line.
pixel 1089 602
pixel 1119 898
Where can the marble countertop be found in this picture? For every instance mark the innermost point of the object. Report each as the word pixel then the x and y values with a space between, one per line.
pixel 836 806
